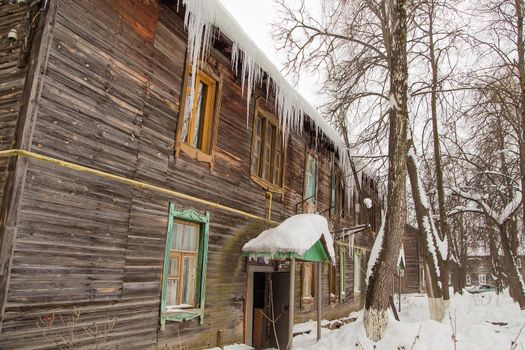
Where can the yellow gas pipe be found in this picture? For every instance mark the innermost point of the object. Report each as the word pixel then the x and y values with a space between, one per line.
pixel 130 182
pixel 270 205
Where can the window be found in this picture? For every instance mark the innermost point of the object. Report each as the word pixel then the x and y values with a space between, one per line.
pixel 310 179
pixel 468 280
pixel 332 283
pixel 267 158
pixel 342 274
pixel 482 279
pixel 357 271
pixel 307 285
pixel 182 265
pixel 333 195
pixel 184 274
pixel 518 263
pixel 198 117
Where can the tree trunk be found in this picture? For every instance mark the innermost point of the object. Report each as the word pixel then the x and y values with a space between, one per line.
pixel 496 265
pixel 429 250
pixel 443 220
pixel 381 279
pixel 458 242
pixel 514 277
pixel 521 71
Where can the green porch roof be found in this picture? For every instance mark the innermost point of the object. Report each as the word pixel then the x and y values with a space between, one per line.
pixel 317 253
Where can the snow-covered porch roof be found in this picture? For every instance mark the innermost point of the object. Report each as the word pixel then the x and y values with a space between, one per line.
pixel 304 237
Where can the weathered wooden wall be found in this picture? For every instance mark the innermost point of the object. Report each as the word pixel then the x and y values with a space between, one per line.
pixel 110 101
pixel 479 265
pixel 13 71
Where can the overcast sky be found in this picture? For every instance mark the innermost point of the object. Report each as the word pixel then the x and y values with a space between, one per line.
pixel 256 17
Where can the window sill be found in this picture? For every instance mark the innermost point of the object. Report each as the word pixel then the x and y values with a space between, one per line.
pixel 195 153
pixel 180 315
pixel 268 186
pixel 307 303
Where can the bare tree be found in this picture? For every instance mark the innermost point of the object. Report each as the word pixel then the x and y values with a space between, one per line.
pixel 493 170
pixel 376 304
pixel 500 88
pixel 434 49
pixel 355 45
pixel 373 37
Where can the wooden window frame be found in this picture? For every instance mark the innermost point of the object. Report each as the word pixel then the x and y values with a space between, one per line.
pixel 203 220
pixel 484 278
pixel 212 115
pixel 268 118
pixel 468 280
pixel 308 301
pixel 180 255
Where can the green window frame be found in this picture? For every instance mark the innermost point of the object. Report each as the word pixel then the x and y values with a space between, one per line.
pixel 357 271
pixel 203 220
pixel 342 274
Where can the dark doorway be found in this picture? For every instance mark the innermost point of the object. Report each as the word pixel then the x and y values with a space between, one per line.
pixel 267 287
pixel 260 297
pixel 281 299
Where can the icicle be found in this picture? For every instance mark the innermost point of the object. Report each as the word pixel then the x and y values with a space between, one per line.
pixel 291 107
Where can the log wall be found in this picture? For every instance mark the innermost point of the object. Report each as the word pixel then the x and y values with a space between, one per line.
pixel 13 72
pixel 89 249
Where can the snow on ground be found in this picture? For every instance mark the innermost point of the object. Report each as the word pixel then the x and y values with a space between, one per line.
pixel 234 347
pixel 472 317
pixel 469 314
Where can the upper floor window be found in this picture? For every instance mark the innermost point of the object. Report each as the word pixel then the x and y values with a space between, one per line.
pixel 310 178
pixel 267 158
pixel 198 117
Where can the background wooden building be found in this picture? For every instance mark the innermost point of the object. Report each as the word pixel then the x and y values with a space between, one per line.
pixel 100 166
pixel 480 268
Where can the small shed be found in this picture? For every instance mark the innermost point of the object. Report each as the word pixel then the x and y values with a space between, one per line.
pixel 304 237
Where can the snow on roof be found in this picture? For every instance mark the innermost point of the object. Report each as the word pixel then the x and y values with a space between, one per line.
pixel 296 234
pixel 291 106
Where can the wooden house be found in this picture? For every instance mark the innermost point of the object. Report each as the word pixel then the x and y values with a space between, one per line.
pixel 480 268
pixel 125 202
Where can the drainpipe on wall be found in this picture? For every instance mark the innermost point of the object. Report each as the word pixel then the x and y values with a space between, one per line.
pixel 270 196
